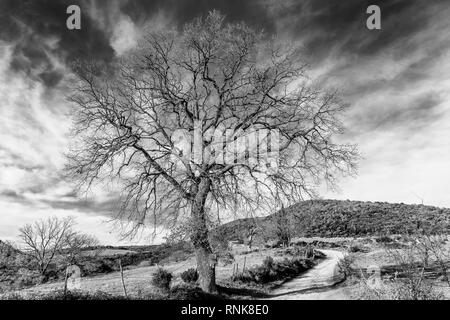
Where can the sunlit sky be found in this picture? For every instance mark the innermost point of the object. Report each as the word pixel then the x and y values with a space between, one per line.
pixel 397 81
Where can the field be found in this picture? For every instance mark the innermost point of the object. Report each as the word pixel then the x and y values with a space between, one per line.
pixel 341 267
pixel 138 278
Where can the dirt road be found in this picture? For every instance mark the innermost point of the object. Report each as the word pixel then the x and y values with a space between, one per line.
pixel 316 283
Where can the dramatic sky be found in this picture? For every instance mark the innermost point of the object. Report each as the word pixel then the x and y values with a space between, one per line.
pixel 397 81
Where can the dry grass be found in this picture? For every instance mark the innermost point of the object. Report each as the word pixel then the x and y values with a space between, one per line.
pixel 138 279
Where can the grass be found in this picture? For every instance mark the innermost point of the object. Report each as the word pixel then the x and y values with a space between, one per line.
pixel 175 293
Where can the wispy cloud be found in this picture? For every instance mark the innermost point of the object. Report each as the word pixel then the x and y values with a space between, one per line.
pixel 397 81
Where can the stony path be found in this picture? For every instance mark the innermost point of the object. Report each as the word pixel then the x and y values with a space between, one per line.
pixel 324 275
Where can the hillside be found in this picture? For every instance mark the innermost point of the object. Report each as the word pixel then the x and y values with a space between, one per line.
pixel 6 249
pixel 334 218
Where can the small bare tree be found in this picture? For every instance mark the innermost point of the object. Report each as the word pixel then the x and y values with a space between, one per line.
pixel 49 238
pixel 216 88
pixel 251 236
pixel 282 227
pixel 414 268
pixel 75 244
pixel 434 251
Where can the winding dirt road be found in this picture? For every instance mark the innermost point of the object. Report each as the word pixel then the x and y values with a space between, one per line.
pixel 316 283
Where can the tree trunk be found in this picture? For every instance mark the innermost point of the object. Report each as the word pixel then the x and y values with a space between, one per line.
pixel 206 260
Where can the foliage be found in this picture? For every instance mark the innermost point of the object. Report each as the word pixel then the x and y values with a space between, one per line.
pixel 384 239
pixel 225 258
pixel 414 267
pixel 282 228
pixel 162 279
pixel 354 248
pixel 273 270
pixel 190 276
pixel 398 289
pixel 335 218
pixel 59 295
pixel 191 293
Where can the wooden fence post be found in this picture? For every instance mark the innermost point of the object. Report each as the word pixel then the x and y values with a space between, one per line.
pixel 65 281
pixel 123 282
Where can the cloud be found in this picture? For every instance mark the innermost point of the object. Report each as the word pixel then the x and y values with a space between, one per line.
pixel 125 36
pixel 15 215
pixel 396 80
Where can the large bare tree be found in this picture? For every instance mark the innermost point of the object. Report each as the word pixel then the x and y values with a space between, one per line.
pixel 214 119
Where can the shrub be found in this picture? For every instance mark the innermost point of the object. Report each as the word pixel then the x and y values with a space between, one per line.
pixel 225 258
pixel 354 248
pixel 272 270
pixel 190 276
pixel 309 252
pixel 191 293
pixel 80 295
pixel 268 263
pixel 346 265
pixel 12 296
pixel 162 278
pixel 97 266
pixel 59 295
pixel 25 277
pixel 398 290
pixel 384 239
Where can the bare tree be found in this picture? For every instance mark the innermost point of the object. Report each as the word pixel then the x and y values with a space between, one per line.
pixel 75 243
pixel 251 236
pixel 48 238
pixel 282 227
pixel 434 251
pixel 217 84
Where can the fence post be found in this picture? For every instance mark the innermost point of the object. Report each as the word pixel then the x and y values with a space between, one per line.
pixel 123 282
pixel 66 277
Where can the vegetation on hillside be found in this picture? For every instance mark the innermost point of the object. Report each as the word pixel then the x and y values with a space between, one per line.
pixel 334 218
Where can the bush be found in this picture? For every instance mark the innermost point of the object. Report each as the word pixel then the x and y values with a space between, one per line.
pixel 309 252
pixel 384 239
pixel 80 295
pixel 26 278
pixel 272 270
pixel 398 290
pixel 354 248
pixel 97 266
pixel 162 278
pixel 59 295
pixel 191 293
pixel 225 258
pixel 190 276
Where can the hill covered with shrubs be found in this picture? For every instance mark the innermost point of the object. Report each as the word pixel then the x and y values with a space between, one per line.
pixel 335 218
